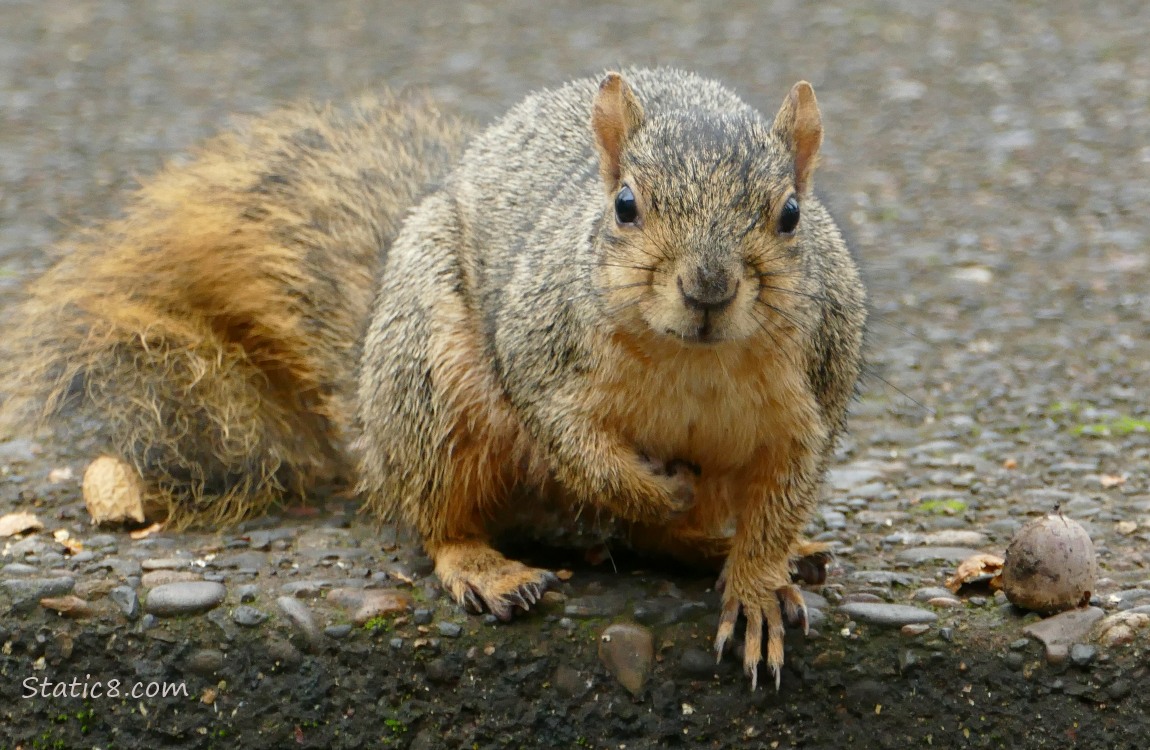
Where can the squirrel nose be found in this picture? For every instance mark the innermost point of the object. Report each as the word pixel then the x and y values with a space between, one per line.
pixel 712 292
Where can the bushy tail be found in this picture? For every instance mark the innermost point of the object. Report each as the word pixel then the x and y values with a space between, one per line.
pixel 210 337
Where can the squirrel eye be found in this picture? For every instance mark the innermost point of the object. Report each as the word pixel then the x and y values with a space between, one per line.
pixel 626 209
pixel 789 217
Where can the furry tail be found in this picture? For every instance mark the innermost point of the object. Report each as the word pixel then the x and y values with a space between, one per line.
pixel 210 337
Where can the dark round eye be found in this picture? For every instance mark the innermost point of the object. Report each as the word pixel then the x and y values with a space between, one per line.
pixel 789 216
pixel 626 209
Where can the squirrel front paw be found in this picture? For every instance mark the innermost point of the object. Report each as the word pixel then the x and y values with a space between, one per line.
pixel 678 477
pixel 761 596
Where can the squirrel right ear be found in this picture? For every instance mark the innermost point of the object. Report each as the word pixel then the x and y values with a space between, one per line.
pixel 615 115
pixel 800 126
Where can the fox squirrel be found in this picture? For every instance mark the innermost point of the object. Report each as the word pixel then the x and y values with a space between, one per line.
pixel 622 301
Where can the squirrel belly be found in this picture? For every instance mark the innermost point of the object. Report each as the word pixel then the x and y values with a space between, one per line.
pixel 211 336
pixel 627 300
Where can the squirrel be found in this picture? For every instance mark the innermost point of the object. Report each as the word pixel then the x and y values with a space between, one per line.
pixel 621 305
pixel 611 291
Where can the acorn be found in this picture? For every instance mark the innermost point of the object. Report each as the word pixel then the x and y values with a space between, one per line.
pixel 1050 566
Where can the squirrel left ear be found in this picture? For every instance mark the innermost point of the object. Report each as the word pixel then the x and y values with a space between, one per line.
pixel 615 115
pixel 800 126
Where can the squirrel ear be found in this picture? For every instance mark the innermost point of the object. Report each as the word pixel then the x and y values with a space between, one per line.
pixel 615 115
pixel 800 127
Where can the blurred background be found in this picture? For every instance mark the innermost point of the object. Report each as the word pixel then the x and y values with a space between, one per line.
pixel 990 160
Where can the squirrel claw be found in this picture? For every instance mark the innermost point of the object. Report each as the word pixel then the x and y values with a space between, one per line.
pixel 786 600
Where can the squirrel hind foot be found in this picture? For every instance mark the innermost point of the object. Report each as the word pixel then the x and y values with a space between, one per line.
pixel 481 579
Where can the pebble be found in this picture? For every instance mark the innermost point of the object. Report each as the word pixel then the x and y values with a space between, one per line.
pixel 915 629
pixel 422 616
pixel 884 577
pixel 932 592
pixel 450 629
pixel 125 598
pixel 895 615
pixel 948 602
pixel 154 578
pixel 918 555
pixel 248 593
pixel 165 563
pixel 695 662
pixel 1082 654
pixel 206 662
pixel 302 619
pixel 248 616
pixel 184 598
pixel 1129 599
pixel 19 569
pixel 628 652
pixel 69 606
pixel 337 631
pixel 1062 630
pixel 27 592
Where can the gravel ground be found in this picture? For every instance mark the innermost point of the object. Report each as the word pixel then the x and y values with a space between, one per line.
pixel 992 165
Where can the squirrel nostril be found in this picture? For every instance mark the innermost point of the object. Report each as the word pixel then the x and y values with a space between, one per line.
pixel 709 298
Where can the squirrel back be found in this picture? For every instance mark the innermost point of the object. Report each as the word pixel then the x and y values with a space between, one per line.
pixel 211 335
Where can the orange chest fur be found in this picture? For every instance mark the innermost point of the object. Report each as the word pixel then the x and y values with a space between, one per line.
pixel 721 407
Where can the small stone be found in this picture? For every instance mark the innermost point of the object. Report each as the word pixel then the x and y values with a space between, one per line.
pixel 1019 645
pixel 248 616
pixel 165 563
pixel 450 629
pixel 302 619
pixel 932 592
pixel 914 629
pixel 444 670
pixel 206 662
pixel 337 631
pixel 422 616
pixel 248 593
pixel 1082 654
pixel 68 606
pixel 697 663
pixel 19 569
pixel 125 598
pixel 946 602
pixel 628 652
pixel 1014 661
pixel 154 578
pixel 395 643
pixel 895 615
pixel 1057 653
pixel 1119 635
pixel 1065 628
pixel 185 598
pixel 919 555
pixel 884 577
pixel 26 593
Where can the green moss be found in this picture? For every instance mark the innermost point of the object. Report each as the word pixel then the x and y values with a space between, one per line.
pixel 377 624
pixel 950 507
pixel 1123 425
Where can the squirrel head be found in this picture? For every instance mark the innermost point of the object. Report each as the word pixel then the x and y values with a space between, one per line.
pixel 702 230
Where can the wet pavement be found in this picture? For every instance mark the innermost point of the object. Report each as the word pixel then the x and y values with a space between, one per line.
pixel 991 164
